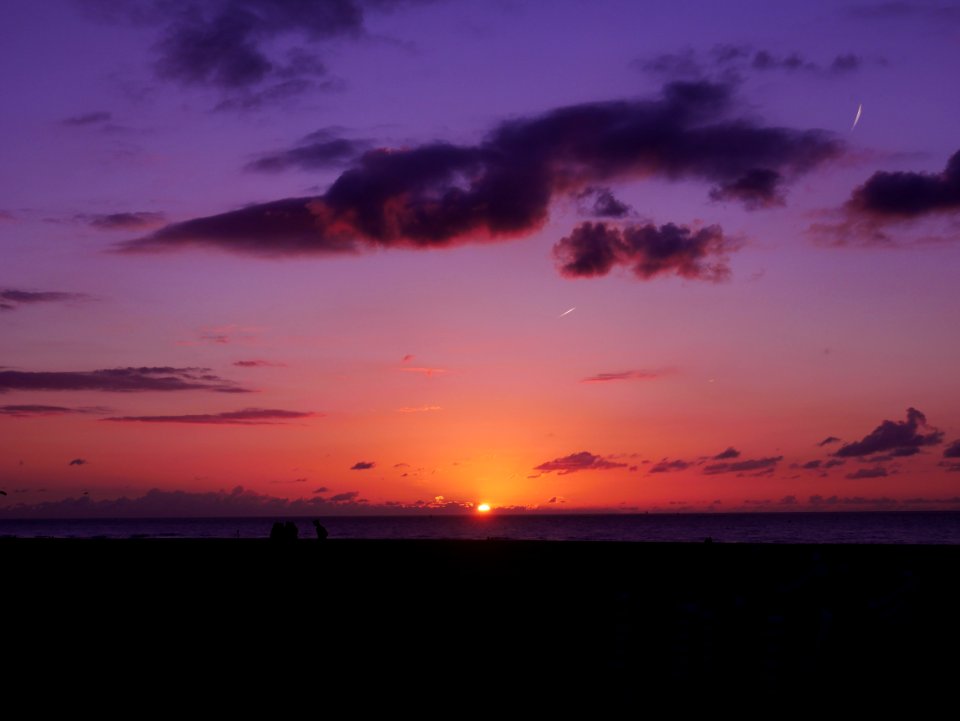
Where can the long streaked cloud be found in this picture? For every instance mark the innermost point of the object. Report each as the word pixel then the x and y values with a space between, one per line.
pixel 582 461
pixel 119 380
pixel 258 363
pixel 736 61
pixel 418 409
pixel 439 194
pixel 11 299
pixel 636 375
pixel 33 411
pixel 425 371
pixel 894 436
pixel 861 473
pixel 668 466
pixel 593 249
pixel 245 417
pixel 765 465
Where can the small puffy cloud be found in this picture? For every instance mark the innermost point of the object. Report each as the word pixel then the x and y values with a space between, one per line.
pixel 600 202
pixel 362 465
pixel 757 188
pixel 953 450
pixel 828 440
pixel 78 462
pixel 730 452
pixel 94 118
pixel 846 63
pixel 668 466
pixel 889 200
pixel 875 472
pixel 245 417
pixel 909 195
pixel 428 372
pixel 593 249
pixel 894 435
pixel 258 364
pixel 582 461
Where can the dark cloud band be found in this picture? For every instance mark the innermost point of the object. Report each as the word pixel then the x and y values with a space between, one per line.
pixel 439 194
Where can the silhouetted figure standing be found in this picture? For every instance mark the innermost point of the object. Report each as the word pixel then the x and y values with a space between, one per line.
pixel 277 532
pixel 321 531
pixel 291 532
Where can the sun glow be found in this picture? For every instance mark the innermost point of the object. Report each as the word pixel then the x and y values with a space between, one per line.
pixel 483 508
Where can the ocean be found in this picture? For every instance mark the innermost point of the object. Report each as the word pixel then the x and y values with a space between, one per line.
pixel 924 528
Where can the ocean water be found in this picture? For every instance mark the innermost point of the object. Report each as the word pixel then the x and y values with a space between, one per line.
pixel 935 527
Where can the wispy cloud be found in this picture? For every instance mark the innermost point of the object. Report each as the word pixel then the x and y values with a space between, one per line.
pixel 11 299
pixel 636 375
pixel 245 417
pixel 31 411
pixel 119 380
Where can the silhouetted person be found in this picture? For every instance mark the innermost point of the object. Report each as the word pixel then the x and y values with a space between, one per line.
pixel 277 532
pixel 321 531
pixel 290 531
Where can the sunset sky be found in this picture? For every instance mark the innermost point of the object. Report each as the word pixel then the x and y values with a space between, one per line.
pixel 386 255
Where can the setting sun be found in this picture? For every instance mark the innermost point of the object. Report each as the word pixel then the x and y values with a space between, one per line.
pixel 484 508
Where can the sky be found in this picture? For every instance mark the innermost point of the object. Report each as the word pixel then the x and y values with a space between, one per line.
pixel 398 256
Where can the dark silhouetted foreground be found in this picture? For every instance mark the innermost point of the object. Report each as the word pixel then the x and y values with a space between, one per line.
pixel 590 621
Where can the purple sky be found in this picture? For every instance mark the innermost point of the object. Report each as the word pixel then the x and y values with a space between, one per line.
pixel 267 242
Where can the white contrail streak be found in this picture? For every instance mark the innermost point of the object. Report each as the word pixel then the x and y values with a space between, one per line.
pixel 567 312
pixel 857 119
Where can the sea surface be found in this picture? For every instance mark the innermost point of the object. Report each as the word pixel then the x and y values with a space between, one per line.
pixel 933 527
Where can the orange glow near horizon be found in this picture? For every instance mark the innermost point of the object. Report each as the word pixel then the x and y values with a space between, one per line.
pixel 483 508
